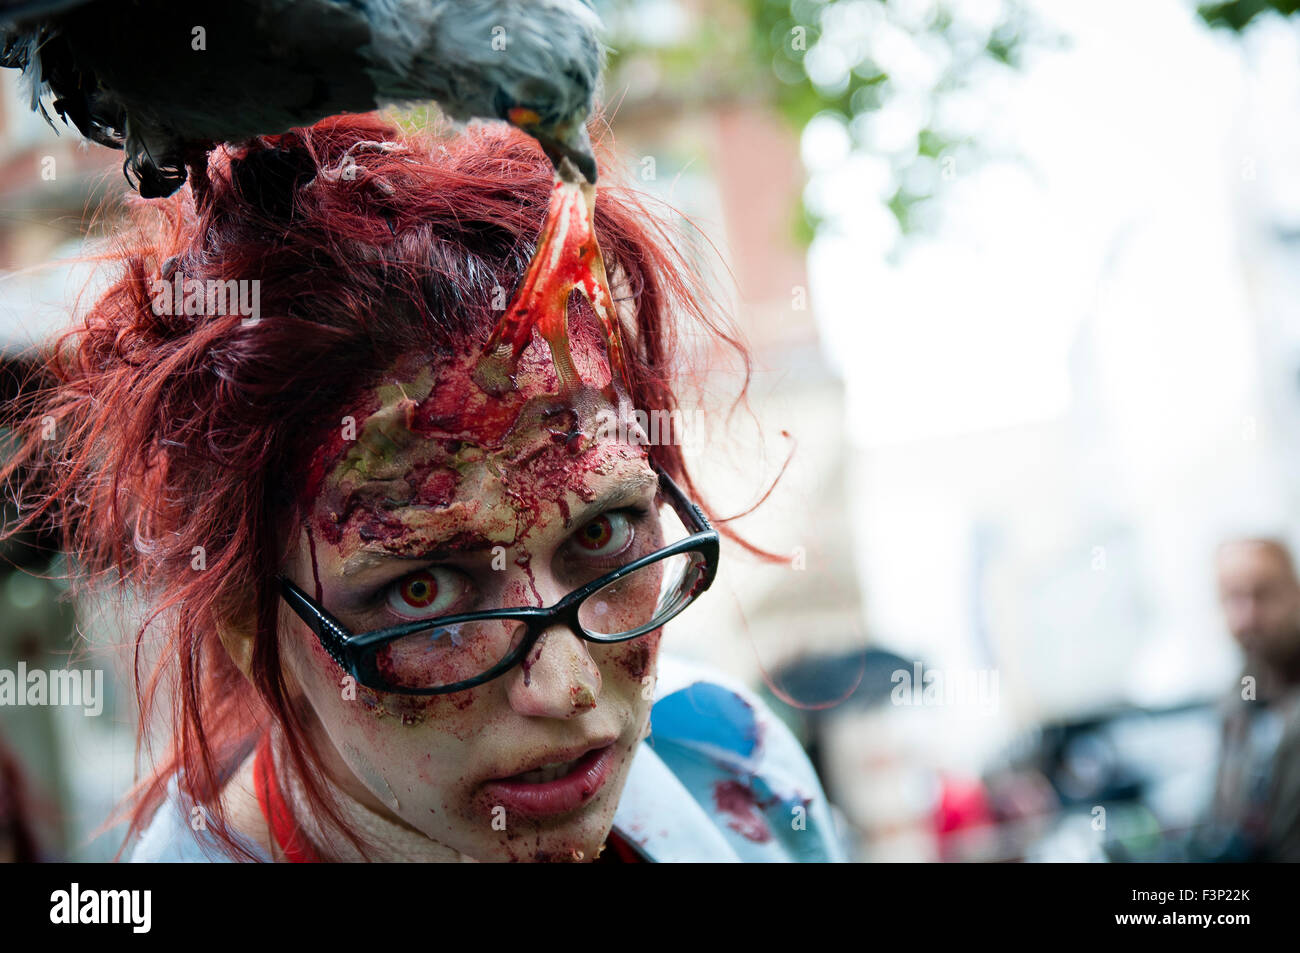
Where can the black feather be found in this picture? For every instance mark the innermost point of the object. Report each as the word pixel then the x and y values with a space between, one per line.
pixel 270 178
pixel 130 74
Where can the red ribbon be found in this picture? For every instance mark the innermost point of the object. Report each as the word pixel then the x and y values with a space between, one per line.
pixel 297 849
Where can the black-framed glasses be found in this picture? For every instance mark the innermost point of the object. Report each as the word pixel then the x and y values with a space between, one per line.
pixel 451 653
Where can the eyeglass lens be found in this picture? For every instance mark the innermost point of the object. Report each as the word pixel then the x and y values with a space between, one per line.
pixel 630 606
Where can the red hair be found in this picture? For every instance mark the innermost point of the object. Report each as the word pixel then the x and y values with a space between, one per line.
pixel 174 432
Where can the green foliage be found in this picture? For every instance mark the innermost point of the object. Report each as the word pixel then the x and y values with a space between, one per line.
pixel 760 50
pixel 1236 14
pixel 786 32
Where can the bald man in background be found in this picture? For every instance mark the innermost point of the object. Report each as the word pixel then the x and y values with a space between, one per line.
pixel 1256 810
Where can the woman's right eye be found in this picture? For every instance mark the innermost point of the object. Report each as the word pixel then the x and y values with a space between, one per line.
pixel 430 592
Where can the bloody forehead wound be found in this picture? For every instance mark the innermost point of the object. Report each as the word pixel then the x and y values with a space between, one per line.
pixel 429 428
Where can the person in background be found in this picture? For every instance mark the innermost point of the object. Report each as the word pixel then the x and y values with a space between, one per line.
pixel 1256 806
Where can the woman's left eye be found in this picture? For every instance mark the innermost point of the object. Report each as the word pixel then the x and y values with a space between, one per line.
pixel 605 535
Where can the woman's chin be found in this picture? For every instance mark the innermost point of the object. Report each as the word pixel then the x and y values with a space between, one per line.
pixel 574 838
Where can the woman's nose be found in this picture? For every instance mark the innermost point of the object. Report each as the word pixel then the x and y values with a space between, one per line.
pixel 558 678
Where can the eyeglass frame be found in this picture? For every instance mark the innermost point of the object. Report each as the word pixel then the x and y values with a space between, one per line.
pixel 355 653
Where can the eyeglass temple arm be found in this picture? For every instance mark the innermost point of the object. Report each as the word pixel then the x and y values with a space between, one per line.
pixel 332 633
pixel 688 510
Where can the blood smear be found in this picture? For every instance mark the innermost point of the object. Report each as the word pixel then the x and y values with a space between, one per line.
pixel 567 258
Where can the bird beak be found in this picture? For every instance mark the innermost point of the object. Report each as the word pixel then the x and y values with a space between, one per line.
pixel 573 144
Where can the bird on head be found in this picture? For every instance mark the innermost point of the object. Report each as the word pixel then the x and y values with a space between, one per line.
pixel 167 82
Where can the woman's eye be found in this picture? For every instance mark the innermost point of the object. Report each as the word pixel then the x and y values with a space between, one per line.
pixel 429 592
pixel 605 535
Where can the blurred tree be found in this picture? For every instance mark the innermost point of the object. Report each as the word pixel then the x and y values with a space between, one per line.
pixel 883 69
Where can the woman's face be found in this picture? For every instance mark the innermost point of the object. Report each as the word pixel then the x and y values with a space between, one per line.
pixel 435 498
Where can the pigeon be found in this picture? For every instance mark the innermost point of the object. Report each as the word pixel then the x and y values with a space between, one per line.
pixel 166 81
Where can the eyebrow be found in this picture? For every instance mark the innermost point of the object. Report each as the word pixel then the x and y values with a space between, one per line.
pixel 624 492
pixel 367 559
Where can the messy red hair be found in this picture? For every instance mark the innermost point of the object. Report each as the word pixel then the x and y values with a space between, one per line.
pixel 174 432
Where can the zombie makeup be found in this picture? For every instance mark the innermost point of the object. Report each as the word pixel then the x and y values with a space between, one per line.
pixel 445 498
pixel 567 258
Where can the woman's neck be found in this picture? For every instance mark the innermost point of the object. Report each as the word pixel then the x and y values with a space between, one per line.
pixel 382 839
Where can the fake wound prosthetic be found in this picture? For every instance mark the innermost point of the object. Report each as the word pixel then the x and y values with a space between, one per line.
pixel 567 258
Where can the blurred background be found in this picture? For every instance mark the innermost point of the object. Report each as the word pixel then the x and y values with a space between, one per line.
pixel 1020 282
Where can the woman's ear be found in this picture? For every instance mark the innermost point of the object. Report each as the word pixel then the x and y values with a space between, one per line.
pixel 237 636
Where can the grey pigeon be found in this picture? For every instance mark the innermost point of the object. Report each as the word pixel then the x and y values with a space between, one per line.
pixel 166 80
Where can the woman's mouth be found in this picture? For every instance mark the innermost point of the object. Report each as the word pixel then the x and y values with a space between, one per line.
pixel 556 787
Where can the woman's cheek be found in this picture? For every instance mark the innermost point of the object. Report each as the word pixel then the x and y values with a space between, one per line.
pixel 633 664
pixel 337 696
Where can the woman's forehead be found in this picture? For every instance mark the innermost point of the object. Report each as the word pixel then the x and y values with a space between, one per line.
pixel 486 511
pixel 432 408
pixel 432 446
pixel 435 399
